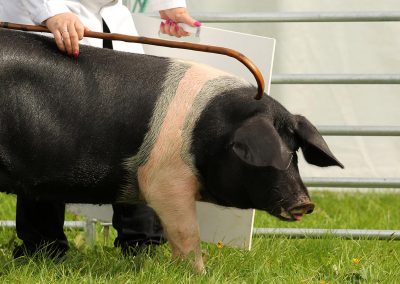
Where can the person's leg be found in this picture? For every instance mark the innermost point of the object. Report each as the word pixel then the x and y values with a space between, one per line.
pixel 138 227
pixel 40 226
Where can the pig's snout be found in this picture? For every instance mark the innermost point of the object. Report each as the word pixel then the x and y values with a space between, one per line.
pixel 299 210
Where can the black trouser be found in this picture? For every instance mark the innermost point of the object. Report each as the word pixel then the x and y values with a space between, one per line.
pixel 40 224
pixel 137 226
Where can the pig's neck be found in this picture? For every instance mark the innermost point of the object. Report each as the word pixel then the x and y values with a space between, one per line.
pixel 165 153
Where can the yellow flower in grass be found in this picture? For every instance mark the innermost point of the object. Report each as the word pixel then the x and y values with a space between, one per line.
pixel 220 245
pixel 355 261
pixel 322 282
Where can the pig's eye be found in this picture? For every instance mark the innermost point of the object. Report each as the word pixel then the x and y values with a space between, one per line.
pixel 229 145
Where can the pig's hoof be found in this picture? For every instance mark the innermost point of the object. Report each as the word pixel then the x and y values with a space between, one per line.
pixel 199 268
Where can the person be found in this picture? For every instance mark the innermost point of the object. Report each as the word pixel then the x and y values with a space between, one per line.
pixel 39 224
pixel 68 19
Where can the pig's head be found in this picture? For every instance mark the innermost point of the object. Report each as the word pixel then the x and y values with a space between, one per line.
pixel 253 163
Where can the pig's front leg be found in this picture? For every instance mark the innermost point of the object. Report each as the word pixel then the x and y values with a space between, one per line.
pixel 174 200
pixel 182 232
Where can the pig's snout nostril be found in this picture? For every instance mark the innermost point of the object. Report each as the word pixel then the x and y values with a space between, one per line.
pixel 306 208
pixel 299 210
pixel 309 208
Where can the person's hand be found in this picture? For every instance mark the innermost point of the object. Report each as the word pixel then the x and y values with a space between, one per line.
pixel 68 30
pixel 174 16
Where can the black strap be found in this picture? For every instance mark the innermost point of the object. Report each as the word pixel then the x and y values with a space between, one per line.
pixel 107 43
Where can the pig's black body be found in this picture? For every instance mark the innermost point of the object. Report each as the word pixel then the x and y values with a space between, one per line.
pixel 65 128
pixel 94 132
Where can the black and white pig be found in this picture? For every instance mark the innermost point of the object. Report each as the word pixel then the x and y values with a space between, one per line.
pixel 119 127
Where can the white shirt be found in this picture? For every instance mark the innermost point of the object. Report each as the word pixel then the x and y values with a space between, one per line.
pixel 90 12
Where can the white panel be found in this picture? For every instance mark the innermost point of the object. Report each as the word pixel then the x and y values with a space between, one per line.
pixel 258 49
pixel 230 226
pixel 102 213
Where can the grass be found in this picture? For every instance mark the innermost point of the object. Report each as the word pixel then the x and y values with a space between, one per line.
pixel 272 259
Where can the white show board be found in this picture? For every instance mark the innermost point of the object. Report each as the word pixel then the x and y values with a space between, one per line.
pixel 258 49
pixel 231 226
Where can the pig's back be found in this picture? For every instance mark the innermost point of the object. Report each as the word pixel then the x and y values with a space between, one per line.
pixel 72 123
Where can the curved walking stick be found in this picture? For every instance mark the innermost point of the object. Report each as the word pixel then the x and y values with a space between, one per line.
pixel 160 42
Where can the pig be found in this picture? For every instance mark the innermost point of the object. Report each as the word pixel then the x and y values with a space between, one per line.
pixel 120 127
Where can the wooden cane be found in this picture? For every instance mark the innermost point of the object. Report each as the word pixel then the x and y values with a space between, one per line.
pixel 160 42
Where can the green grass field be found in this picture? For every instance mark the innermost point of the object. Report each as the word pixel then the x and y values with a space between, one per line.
pixel 271 260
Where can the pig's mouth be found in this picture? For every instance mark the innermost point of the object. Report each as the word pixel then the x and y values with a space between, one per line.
pixel 296 213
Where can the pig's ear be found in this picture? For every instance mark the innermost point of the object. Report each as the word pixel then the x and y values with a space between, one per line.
pixel 314 147
pixel 257 143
